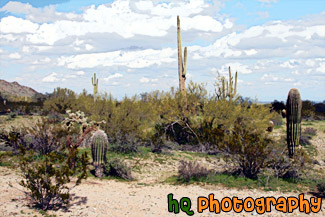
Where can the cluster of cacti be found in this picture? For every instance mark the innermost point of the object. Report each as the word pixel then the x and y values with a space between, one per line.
pixel 99 145
pixel 293 115
pixel 94 82
pixel 181 65
pixel 227 89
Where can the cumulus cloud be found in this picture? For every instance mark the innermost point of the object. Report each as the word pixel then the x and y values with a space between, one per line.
pixel 17 25
pixel 116 75
pixel 132 59
pixel 235 67
pixel 38 15
pixel 148 80
pixel 53 77
pixel 14 55
pixel 118 17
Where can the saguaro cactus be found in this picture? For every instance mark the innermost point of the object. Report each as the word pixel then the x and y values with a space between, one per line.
pixel 227 89
pixel 293 115
pixel 181 65
pixel 94 81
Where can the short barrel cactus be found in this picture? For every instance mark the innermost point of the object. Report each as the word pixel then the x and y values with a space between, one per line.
pixel 99 145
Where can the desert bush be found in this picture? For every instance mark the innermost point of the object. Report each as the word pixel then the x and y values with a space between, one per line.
pixel 246 148
pixel 116 167
pixel 61 100
pixel 310 131
pixel 321 188
pixel 55 118
pixel 308 110
pixel 284 166
pixel 278 106
pixel 305 140
pixel 188 170
pixel 277 120
pixel 12 138
pixel 47 137
pixel 46 179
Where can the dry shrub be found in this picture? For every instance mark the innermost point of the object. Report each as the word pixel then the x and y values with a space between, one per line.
pixel 118 168
pixel 188 170
pixel 310 131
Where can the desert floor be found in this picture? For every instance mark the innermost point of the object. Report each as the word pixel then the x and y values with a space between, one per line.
pixel 147 195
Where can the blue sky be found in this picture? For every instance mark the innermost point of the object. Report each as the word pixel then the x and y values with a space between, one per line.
pixel 274 45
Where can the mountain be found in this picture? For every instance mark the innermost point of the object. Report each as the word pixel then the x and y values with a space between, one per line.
pixel 13 91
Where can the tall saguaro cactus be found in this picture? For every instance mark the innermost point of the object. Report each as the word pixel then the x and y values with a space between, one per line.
pixel 293 115
pixel 94 82
pixel 181 65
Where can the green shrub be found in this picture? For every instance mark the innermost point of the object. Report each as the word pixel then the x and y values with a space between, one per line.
pixel 46 179
pixel 246 148
pixel 61 100
pixel 116 167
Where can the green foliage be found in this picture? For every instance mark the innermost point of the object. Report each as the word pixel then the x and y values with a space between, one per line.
pixel 246 148
pixel 46 179
pixel 117 168
pixel 308 110
pixel 293 113
pixel 61 100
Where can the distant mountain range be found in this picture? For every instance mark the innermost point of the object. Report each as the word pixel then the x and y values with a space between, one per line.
pixel 13 91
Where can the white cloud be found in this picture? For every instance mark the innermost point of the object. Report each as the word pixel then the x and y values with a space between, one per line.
pixel 236 67
pixel 14 55
pixel 51 78
pixel 147 80
pixel 16 25
pixel 116 75
pixel 321 67
pixel 144 80
pixel 118 17
pixel 132 59
pixel 80 72
pixel 267 1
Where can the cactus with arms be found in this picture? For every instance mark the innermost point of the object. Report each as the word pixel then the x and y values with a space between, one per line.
pixel 181 66
pixel 293 115
pixel 228 89
pixel 94 82
pixel 99 145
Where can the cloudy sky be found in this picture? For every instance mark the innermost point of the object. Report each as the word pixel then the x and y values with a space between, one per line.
pixel 274 45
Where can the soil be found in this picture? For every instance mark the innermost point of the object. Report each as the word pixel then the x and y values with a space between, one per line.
pixel 147 195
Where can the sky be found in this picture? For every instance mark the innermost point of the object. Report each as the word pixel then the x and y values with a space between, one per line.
pixel 131 45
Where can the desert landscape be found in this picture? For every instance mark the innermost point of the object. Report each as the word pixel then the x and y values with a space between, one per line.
pixel 148 108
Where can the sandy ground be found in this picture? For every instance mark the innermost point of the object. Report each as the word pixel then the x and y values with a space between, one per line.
pixel 147 196
pixel 96 197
